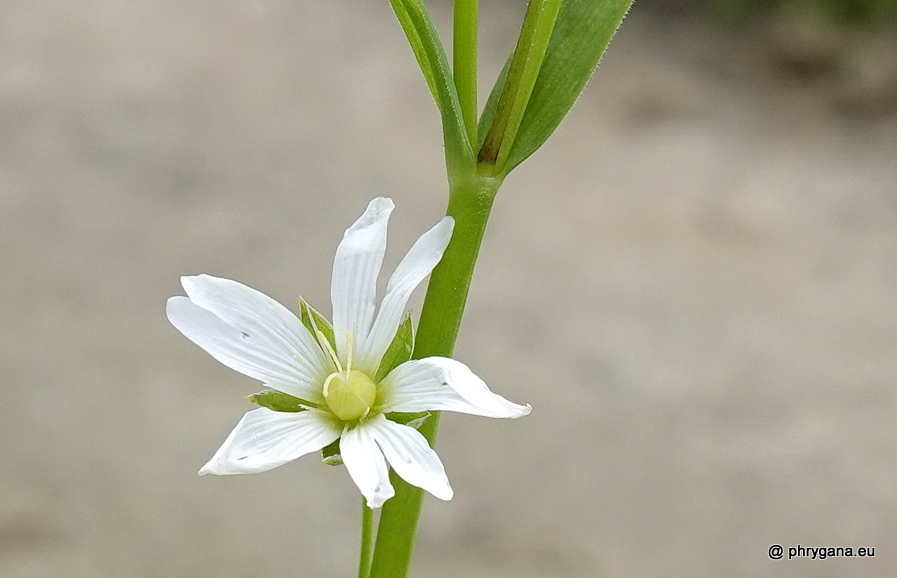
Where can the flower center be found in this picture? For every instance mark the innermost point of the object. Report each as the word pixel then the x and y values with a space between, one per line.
pixel 350 396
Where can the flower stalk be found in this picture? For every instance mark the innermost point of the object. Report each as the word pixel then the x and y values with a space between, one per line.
pixel 367 540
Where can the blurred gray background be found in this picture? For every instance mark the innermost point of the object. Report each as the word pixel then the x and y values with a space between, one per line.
pixel 694 284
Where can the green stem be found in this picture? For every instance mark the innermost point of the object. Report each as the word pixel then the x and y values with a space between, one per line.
pixel 367 540
pixel 464 57
pixel 470 203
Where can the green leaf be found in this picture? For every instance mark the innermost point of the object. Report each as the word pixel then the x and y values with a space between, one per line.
pixel 307 314
pixel 399 351
pixel 492 103
pixel 538 25
pixel 583 30
pixel 430 55
pixel 581 34
pixel 278 401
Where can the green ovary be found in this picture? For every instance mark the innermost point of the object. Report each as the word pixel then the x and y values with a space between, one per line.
pixel 350 398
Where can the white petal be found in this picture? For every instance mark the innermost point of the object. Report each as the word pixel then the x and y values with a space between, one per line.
pixel 366 465
pixel 251 354
pixel 358 259
pixel 409 454
pixel 443 384
pixel 265 439
pixel 259 316
pixel 417 264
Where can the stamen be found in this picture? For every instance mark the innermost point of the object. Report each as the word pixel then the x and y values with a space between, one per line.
pixel 326 344
pixel 348 352
pixel 327 383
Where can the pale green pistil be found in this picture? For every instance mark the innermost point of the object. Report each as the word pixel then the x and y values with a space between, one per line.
pixel 350 397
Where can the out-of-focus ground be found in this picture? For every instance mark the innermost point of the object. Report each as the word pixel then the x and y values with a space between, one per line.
pixel 694 284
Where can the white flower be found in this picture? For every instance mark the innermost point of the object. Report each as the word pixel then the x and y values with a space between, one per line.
pixel 254 335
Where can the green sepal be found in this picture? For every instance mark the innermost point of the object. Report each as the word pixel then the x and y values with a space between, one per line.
pixel 581 34
pixel 410 419
pixel 399 351
pixel 307 314
pixel 278 401
pixel 330 454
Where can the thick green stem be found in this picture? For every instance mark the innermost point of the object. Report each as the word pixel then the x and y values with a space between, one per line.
pixel 470 203
pixel 464 57
pixel 367 540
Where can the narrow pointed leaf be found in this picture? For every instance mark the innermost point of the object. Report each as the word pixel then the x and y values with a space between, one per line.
pixel 492 103
pixel 526 62
pixel 430 55
pixel 581 34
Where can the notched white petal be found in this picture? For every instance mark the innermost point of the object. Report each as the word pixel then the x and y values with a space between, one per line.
pixel 265 439
pixel 268 323
pixel 245 354
pixel 409 454
pixel 420 260
pixel 443 384
pixel 356 266
pixel 366 465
